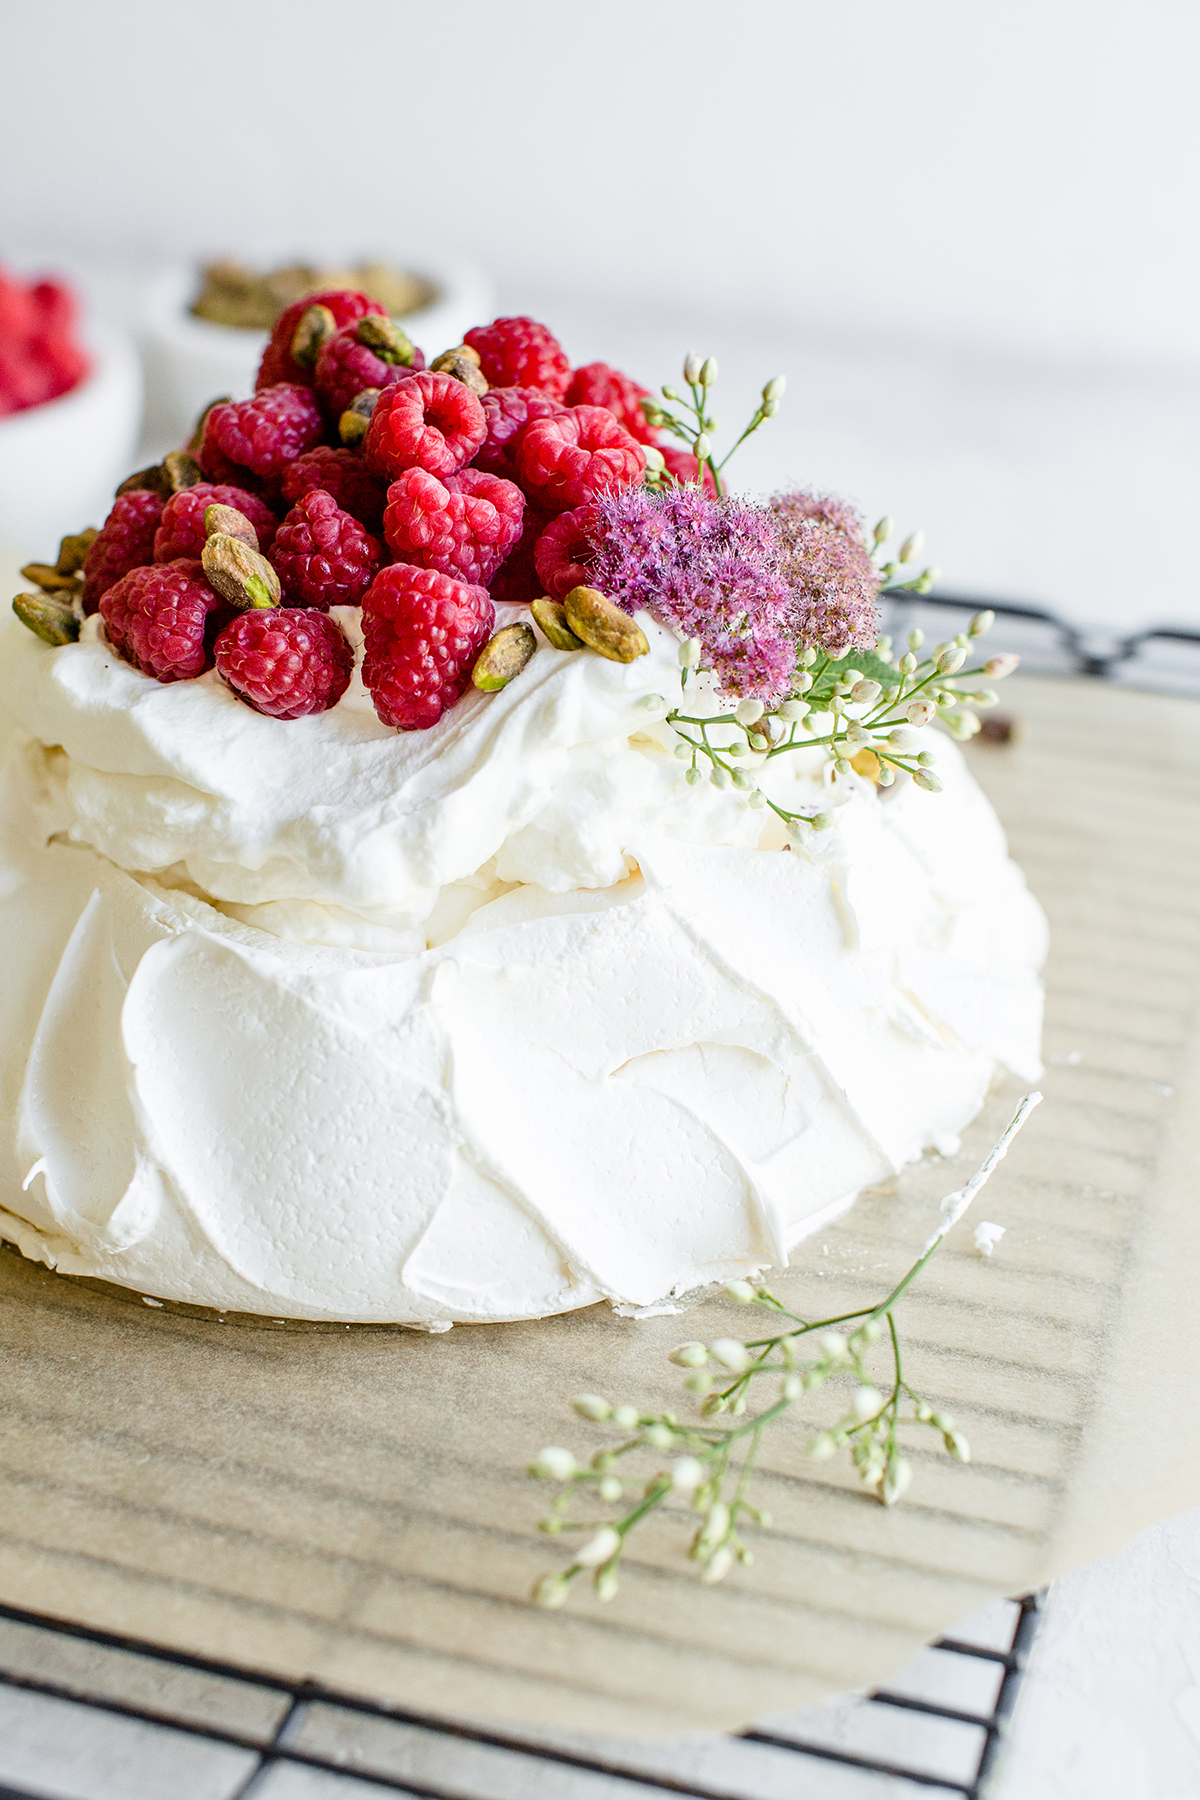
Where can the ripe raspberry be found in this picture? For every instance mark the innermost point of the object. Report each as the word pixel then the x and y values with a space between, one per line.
pixel 322 556
pixel 464 526
pixel 345 475
pixel 345 367
pixel 428 422
pixel 163 619
pixel 423 632
pixel 181 530
pixel 286 661
pixel 569 459
pixel 565 552
pixel 508 411
pixel 263 434
pixel 278 363
pixel 517 582
pixel 599 384
pixel 126 541
pixel 521 353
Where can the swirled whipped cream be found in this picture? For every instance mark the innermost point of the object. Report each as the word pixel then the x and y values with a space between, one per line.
pixel 320 1020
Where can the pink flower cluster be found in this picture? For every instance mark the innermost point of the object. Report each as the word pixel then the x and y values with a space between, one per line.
pixel 753 583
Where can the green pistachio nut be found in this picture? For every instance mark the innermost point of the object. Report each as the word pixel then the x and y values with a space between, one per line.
pixel 181 470
pixel 47 577
pixel 603 626
pixel 355 421
pixel 314 329
pixel 72 552
pixel 551 617
pixel 227 521
pixel 385 338
pixel 238 573
pixel 503 657
pixel 48 617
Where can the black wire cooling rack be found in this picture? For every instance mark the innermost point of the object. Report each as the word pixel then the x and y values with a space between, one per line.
pixel 135 1719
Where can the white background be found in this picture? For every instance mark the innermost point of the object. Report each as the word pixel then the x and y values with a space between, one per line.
pixel 968 233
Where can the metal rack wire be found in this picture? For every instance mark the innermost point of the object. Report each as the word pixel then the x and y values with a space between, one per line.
pixel 523 1761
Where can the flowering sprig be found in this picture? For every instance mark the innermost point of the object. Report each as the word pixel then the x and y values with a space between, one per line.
pixel 691 422
pixel 865 710
pixel 711 1464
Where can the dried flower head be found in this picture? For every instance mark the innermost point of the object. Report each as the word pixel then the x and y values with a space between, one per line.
pixel 827 565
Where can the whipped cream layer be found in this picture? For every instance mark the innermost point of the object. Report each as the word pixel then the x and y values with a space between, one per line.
pixel 318 1020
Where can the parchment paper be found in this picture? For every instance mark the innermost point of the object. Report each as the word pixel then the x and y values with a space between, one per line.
pixel 349 1504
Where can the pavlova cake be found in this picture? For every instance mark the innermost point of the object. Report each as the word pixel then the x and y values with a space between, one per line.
pixel 457 863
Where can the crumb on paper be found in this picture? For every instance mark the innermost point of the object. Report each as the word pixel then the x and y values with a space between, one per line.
pixel 148 1300
pixel 987 1236
pixel 645 1312
pixel 1069 1060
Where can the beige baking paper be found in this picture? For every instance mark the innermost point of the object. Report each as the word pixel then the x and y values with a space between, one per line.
pixel 349 1504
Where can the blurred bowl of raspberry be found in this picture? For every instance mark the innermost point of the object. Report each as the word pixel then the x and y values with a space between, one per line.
pixel 207 325
pixel 70 411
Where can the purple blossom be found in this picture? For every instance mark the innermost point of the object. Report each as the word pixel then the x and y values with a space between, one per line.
pixel 709 568
pixel 827 565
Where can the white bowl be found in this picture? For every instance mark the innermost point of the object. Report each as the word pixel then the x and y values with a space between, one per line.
pixel 190 361
pixel 60 462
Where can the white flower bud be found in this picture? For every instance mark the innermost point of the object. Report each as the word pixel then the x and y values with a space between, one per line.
pixel 866 1402
pixel 741 1291
pixel 687 1472
pixel 916 638
pixel 833 1344
pixel 749 712
pixel 897 1480
pixel 840 766
pixel 985 697
pixel 941 1421
pixel 884 529
pixel 774 389
pixel 1000 666
pixel 610 1488
pixel 886 776
pixel 718 1566
pixel 688 1356
pixel 702 447
pixel 591 1406
pixel 708 371
pixel 693 777
pixel 958 1446
pixel 550 1591
pixel 606 1584
pixel 656 462
pixel 770 408
pixel 692 364
pixel 715 1526
pixel 951 660
pixel 669 393
pixel 822 1447
pixel 653 702
pixel 822 821
pixel 925 778
pixel 661 1436
pixel 731 1354
pixel 600 1549
pixel 908 664
pixel 865 693
pixel 903 738
pixel 757 799
pixel 689 653
pixel 912 546
pixel 793 1386
pixel 798 828
pixel 920 712
pixel 743 779
pixel 553 1464
pixel 720 778
pixel 683 753
pixel 699 1382
pixel 982 623
pixel 626 1418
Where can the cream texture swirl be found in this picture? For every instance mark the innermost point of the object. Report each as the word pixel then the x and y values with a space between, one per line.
pixel 318 1020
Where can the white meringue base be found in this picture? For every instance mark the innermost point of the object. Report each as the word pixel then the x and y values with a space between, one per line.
pixel 617 1092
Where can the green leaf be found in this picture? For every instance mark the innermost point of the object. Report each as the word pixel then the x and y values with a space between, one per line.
pixel 870 665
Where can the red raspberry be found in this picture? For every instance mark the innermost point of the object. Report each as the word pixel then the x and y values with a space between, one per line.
pixel 508 411
pixel 569 459
pixel 423 632
pixel 683 465
pixel 521 353
pixel 126 541
pixel 286 661
pixel 163 619
pixel 345 367
pixel 565 551
pixel 181 531
pixel 278 363
pixel 599 384
pixel 464 526
pixel 345 475
pixel 266 433
pixel 516 582
pixel 425 422
pixel 322 556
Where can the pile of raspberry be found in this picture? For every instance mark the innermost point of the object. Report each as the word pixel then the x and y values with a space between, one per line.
pixel 422 495
pixel 40 354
